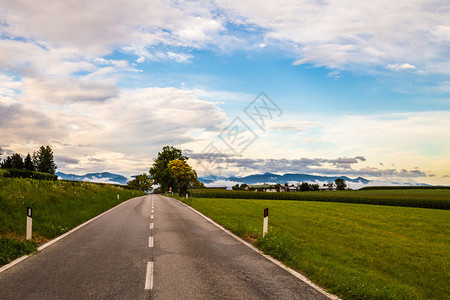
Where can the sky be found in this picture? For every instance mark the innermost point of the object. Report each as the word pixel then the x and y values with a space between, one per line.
pixel 351 88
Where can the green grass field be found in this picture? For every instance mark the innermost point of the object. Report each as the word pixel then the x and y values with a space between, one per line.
pixel 356 251
pixel 425 198
pixel 58 206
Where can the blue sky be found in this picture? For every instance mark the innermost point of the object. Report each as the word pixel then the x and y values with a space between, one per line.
pixel 363 88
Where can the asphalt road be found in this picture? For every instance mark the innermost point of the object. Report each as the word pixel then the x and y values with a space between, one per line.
pixel 150 247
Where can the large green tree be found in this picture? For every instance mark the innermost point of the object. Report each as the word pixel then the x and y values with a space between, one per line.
pixel 304 187
pixel 28 162
pixel 184 176
pixel 141 182
pixel 7 163
pixel 17 161
pixel 44 161
pixel 160 172
pixel 340 184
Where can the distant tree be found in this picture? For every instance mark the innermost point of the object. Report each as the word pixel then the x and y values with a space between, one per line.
pixel 184 176
pixel 7 163
pixel 43 160
pixel 198 185
pixel 141 182
pixel 330 185
pixel 304 187
pixel 17 161
pixel 340 184
pixel 314 187
pixel 238 187
pixel 244 186
pixel 278 187
pixel 160 172
pixel 28 162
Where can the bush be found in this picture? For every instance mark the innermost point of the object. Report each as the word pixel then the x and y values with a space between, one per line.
pixel 17 173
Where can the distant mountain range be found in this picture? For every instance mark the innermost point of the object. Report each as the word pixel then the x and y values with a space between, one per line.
pixel 105 177
pixel 275 178
pixel 251 179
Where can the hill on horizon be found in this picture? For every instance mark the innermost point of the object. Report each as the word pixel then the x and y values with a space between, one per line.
pixel 105 177
pixel 275 178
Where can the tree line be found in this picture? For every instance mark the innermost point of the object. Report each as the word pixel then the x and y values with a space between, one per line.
pixel 338 183
pixel 41 161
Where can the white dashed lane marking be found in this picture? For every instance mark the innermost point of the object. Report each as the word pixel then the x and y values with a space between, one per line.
pixel 149 276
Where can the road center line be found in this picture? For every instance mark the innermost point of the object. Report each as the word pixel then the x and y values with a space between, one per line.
pixel 150 242
pixel 149 276
pixel 151 217
pixel 151 225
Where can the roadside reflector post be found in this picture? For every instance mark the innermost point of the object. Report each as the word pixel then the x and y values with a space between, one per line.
pixel 118 197
pixel 187 196
pixel 29 222
pixel 266 221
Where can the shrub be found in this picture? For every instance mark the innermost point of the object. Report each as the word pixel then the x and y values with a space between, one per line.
pixel 17 173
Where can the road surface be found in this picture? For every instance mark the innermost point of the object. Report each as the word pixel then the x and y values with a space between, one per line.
pixel 151 247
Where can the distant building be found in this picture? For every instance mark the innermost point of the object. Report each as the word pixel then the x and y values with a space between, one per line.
pixel 326 188
pixel 290 188
pixel 262 188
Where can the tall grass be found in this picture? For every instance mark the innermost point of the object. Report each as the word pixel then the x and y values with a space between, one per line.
pixel 58 206
pixel 424 198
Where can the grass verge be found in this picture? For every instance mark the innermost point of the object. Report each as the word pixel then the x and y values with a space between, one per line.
pixel 11 248
pixel 58 206
pixel 355 251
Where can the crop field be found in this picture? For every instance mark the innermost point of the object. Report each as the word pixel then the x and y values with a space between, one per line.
pixel 355 251
pixel 58 206
pixel 425 198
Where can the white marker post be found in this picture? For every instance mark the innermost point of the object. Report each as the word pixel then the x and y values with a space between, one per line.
pixel 187 196
pixel 118 197
pixel 29 222
pixel 266 221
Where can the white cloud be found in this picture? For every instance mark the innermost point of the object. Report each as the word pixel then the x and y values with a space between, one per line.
pixel 97 28
pixel 333 34
pixel 293 126
pixel 406 139
pixel 62 91
pixel 439 87
pixel 398 67
pixel 120 134
pixel 31 59
pixel 442 32
pixel 348 34
pixel 415 139
pixel 335 75
pixel 179 57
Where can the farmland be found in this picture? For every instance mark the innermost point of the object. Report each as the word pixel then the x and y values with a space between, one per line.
pixel 425 198
pixel 58 206
pixel 355 251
